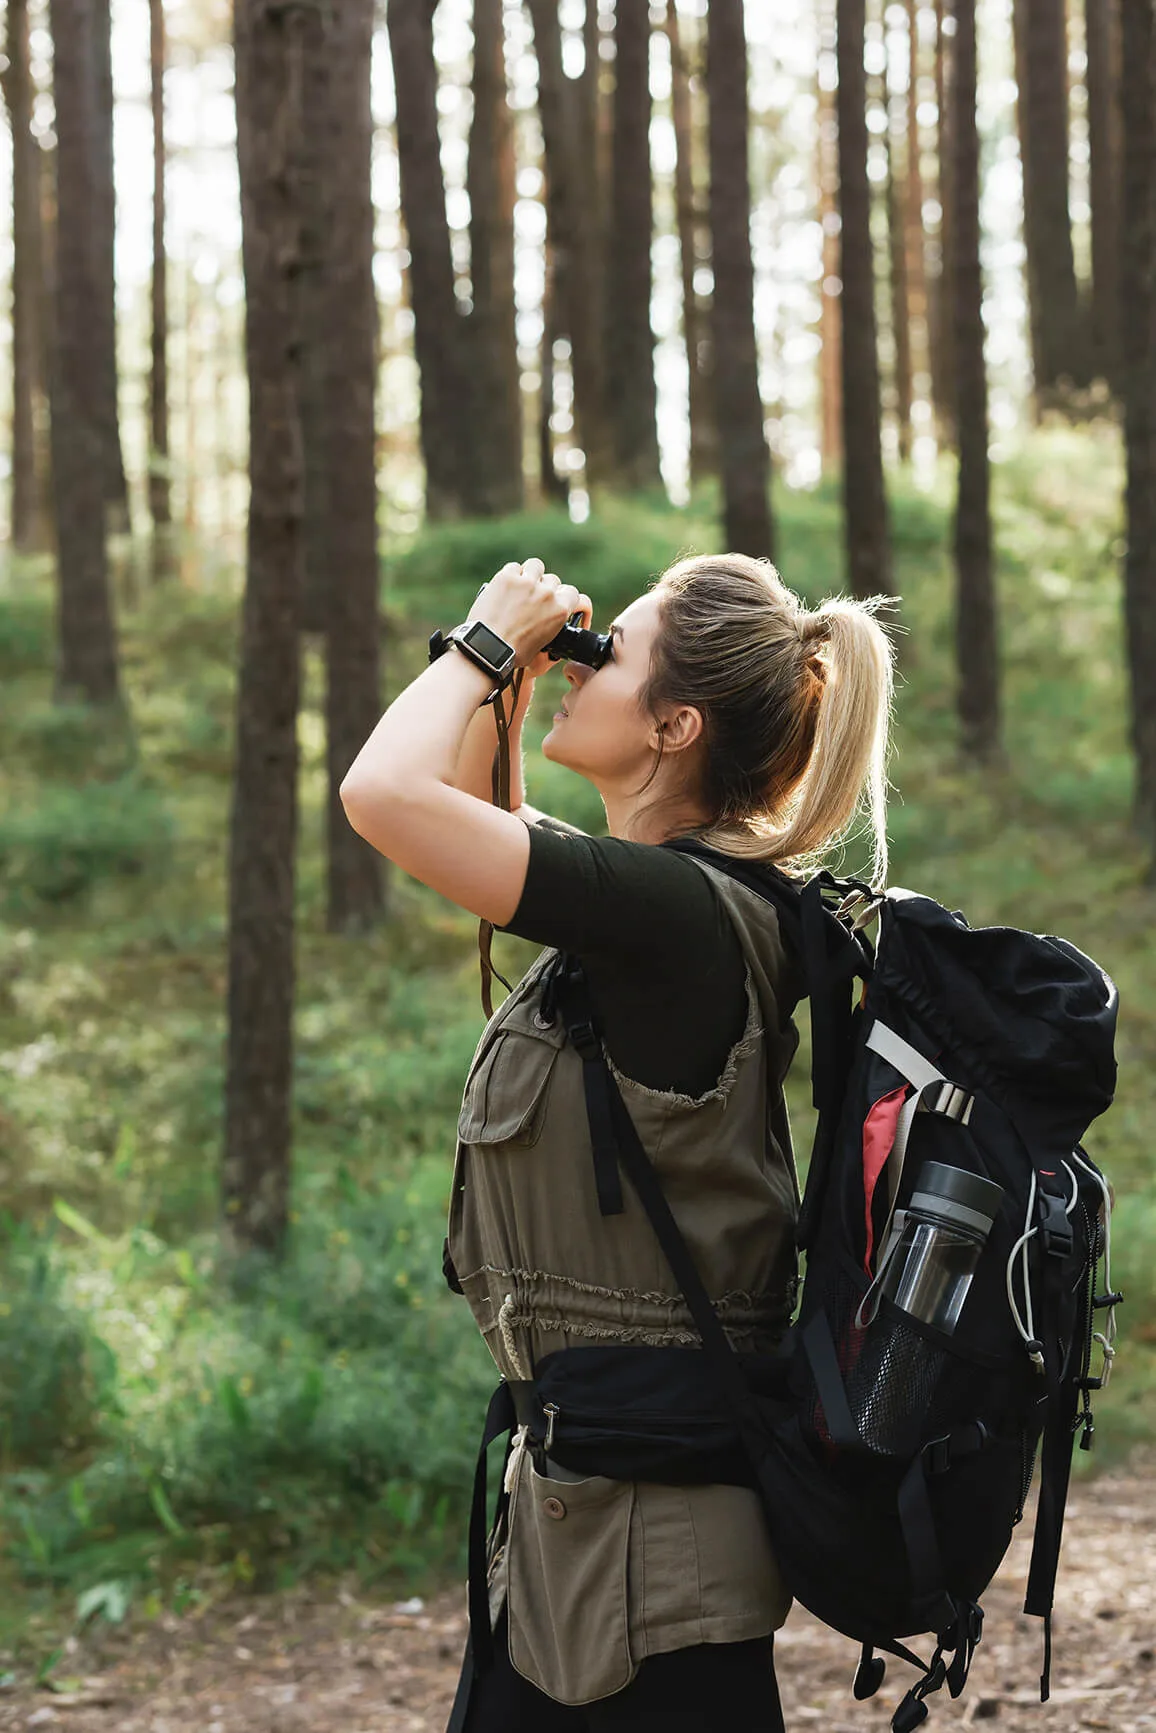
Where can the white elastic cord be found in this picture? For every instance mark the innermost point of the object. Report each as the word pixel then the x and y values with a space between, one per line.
pixel 1105 1338
pixel 1025 1323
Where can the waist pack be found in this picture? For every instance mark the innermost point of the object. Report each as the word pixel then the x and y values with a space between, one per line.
pixel 893 1458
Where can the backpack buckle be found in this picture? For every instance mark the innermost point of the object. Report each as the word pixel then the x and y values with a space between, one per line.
pixel 585 1040
pixel 937 1455
pixel 954 1103
pixel 1055 1226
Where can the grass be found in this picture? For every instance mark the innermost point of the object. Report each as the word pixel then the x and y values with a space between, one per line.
pixel 165 1435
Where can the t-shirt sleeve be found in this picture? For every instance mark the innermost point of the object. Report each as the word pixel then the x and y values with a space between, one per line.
pixel 588 894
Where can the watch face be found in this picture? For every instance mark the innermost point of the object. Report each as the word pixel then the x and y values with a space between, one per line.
pixel 495 650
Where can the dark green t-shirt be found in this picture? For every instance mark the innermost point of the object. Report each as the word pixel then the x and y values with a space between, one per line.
pixel 666 970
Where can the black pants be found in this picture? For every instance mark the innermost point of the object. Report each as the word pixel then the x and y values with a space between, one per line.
pixel 712 1688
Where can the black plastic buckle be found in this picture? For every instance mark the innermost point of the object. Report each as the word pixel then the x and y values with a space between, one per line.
pixel 1055 1227
pixel 585 1040
pixel 937 1455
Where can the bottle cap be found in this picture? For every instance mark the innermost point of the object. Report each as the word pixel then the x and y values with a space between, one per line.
pixel 956 1195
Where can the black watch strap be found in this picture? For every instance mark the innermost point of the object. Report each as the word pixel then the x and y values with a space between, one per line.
pixel 481 645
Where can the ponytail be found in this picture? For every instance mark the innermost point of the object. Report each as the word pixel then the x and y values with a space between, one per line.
pixel 796 708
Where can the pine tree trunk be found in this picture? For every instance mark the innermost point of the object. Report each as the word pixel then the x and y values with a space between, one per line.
pixel 572 191
pixel 917 302
pixel 272 45
pixel 1138 329
pixel 703 453
pixel 493 343
pixel 160 493
pixel 830 315
pixel 103 219
pixel 744 460
pixel 316 245
pixel 27 283
pixel 87 651
pixel 1043 114
pixel 976 635
pixel 897 245
pixel 631 392
pixel 865 500
pixel 353 686
pixel 940 321
pixel 446 441
pixel 1102 24
pixel 552 486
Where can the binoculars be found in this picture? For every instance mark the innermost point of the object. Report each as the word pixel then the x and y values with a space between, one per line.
pixel 574 643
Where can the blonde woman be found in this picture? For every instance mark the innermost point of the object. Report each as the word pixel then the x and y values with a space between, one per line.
pixel 729 713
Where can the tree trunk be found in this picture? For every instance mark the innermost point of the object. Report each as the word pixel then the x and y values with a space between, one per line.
pixel 317 193
pixel 27 283
pixel 1138 334
pixel 897 169
pixel 571 188
pixel 865 500
pixel 744 459
pixel 976 636
pixel 917 302
pixel 940 323
pixel 446 443
pixel 1051 269
pixel 703 453
pixel 1102 24
pixel 552 486
pixel 830 317
pixel 493 343
pixel 87 653
pixel 631 393
pixel 353 687
pixel 103 220
pixel 160 500
pixel 272 46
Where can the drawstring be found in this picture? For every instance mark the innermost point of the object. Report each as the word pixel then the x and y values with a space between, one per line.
pixel 500 791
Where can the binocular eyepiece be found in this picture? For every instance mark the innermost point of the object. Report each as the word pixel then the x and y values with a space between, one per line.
pixel 574 643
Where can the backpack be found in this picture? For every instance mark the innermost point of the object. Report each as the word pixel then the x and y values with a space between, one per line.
pixel 894 1459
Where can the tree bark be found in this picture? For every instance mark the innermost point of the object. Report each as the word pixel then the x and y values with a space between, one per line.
pixel 976 634
pixel 87 650
pixel 446 443
pixel 940 320
pixel 703 453
pixel 917 302
pixel 631 392
pixel 830 316
pixel 1102 25
pixel 865 500
pixel 897 170
pixel 27 284
pixel 1138 328
pixel 103 220
pixel 552 486
pixel 571 189
pixel 494 371
pixel 160 493
pixel 272 46
pixel 1043 114
pixel 744 460
pixel 353 686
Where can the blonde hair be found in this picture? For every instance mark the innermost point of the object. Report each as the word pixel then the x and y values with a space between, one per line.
pixel 796 709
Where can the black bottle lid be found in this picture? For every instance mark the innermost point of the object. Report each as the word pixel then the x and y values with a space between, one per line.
pixel 955 1194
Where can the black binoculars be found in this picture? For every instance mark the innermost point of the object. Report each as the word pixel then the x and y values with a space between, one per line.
pixel 575 643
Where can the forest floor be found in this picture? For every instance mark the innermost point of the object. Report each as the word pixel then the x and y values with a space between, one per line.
pixel 298 1661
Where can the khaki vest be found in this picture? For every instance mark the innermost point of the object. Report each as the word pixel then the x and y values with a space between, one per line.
pixel 601 1573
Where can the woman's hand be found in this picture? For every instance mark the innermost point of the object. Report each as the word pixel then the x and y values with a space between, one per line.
pixel 528 606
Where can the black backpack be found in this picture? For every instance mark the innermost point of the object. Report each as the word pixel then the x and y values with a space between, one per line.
pixel 891 1500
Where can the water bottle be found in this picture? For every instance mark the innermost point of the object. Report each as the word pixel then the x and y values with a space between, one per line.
pixel 926 1270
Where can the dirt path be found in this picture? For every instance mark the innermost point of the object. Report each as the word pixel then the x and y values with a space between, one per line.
pixel 294 1663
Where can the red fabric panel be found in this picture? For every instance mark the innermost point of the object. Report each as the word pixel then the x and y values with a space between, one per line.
pixel 879 1130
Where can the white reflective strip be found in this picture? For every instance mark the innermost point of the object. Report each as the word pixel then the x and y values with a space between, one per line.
pixel 898 1052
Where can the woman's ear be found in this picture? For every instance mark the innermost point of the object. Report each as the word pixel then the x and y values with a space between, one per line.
pixel 681 728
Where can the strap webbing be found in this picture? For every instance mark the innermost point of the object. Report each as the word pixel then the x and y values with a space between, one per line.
pixel 500 792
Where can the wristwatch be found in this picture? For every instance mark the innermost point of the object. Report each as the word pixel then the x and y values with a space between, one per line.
pixel 483 647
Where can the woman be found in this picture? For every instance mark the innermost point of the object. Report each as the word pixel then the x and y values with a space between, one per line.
pixel 731 714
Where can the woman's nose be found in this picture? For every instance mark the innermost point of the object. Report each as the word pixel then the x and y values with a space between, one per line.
pixel 577 673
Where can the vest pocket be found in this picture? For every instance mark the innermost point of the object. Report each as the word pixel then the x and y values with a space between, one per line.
pixel 505 1095
pixel 568 1549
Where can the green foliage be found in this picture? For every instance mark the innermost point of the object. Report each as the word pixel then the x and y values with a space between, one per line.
pixel 56 849
pixel 170 1425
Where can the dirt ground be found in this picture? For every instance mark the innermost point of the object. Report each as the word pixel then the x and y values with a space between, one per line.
pixel 296 1662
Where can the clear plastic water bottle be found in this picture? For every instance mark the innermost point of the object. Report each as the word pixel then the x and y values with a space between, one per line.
pixel 925 1269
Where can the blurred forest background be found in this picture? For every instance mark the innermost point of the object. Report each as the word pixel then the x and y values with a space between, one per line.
pixel 317 315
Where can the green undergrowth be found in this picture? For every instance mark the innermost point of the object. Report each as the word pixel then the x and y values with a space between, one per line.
pixel 170 1430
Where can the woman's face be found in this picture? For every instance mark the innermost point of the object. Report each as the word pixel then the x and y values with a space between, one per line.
pixel 599 730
